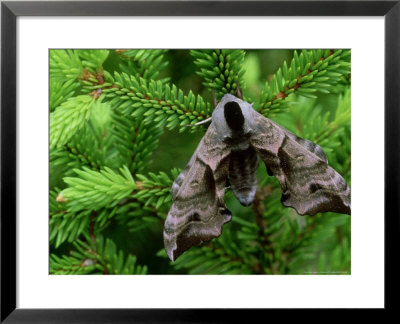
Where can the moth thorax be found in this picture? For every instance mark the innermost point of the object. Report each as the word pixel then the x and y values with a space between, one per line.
pixel 234 116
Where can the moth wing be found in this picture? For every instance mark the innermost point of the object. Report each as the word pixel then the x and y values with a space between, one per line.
pixel 310 146
pixel 309 184
pixel 198 210
pixel 179 179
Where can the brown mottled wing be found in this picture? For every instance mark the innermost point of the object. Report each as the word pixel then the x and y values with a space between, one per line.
pixel 198 210
pixel 308 183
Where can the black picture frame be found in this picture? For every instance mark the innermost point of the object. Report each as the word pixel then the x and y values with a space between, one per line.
pixel 10 10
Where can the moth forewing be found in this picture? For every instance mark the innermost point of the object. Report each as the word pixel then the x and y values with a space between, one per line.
pixel 198 210
pixel 309 184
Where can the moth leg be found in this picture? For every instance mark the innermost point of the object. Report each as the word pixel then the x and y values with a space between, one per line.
pixel 181 177
pixel 239 91
pixel 215 101
pixel 205 121
pixel 220 178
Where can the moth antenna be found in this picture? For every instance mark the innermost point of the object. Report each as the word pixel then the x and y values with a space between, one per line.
pixel 215 101
pixel 239 90
pixel 205 121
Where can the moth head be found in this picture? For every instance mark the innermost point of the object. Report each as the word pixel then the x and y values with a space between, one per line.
pixel 232 116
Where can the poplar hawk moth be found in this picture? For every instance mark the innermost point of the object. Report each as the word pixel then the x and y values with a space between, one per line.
pixel 237 138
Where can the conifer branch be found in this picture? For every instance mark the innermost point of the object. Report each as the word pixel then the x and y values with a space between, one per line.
pixel 309 72
pixel 68 118
pixel 67 159
pixel 65 65
pixel 210 259
pixel 146 64
pixel 155 189
pixel 137 216
pixel 93 60
pixel 134 140
pixel 64 225
pixel 94 190
pixel 221 69
pixel 68 65
pixel 80 150
pixel 154 101
pixel 99 257
pixel 60 92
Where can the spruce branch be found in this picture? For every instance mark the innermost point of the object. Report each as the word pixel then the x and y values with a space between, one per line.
pixel 74 64
pixel 136 216
pixel 134 140
pixel 65 65
pixel 322 131
pixel 68 118
pixel 263 238
pixel 309 72
pixel 99 257
pixel 85 147
pixel 304 254
pixel 93 60
pixel 221 69
pixel 155 189
pixel 154 101
pixel 94 190
pixel 65 225
pixel 67 159
pixel 210 259
pixel 146 64
pixel 90 146
pixel 60 92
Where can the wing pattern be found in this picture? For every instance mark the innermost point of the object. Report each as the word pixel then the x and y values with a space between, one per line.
pixel 198 210
pixel 308 183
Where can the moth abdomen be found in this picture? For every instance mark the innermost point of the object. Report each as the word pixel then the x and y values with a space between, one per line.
pixel 243 175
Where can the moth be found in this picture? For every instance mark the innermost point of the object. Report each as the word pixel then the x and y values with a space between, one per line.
pixel 231 149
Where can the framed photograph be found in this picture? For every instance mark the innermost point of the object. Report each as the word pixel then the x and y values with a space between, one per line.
pixel 163 159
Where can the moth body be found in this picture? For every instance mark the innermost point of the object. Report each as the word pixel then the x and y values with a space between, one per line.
pixel 243 161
